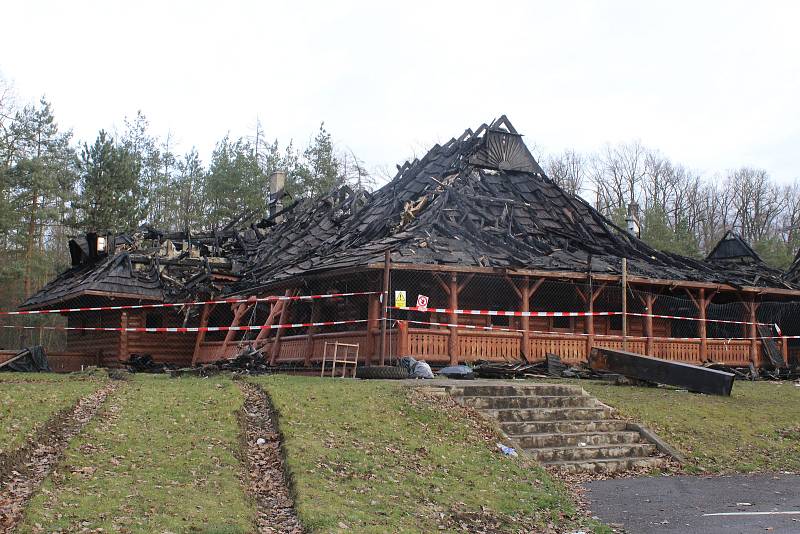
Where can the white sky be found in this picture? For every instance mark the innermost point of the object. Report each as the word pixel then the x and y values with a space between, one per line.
pixel 714 85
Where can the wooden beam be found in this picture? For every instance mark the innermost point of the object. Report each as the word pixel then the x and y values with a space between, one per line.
pixel 649 300
pixel 525 301
pixel 577 275
pixel 403 340
pixel 702 306
pixel 442 284
pixel 275 349
pixel 466 281
pixel 452 340
pixel 274 309
pixel 387 273
pixel 201 335
pixel 309 350
pixel 373 318
pixel 753 331
pixel 123 338
pixel 513 285
pixel 238 312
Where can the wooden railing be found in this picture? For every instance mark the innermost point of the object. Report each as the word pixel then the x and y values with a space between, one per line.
pixel 432 345
pixel 570 348
pixel 489 346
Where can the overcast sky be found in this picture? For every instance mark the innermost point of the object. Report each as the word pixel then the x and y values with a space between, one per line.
pixel 714 85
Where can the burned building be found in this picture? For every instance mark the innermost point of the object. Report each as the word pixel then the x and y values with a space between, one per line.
pixel 474 226
pixel 477 225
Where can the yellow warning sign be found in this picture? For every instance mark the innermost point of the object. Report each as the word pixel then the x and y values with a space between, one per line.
pixel 400 299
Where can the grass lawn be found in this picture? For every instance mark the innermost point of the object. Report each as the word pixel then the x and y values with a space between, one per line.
pixel 161 456
pixel 374 457
pixel 28 400
pixel 757 428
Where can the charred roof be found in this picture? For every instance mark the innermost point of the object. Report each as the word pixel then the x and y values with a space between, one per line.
pixel 479 200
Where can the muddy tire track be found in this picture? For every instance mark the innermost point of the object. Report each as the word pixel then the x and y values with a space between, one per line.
pixel 24 470
pixel 267 481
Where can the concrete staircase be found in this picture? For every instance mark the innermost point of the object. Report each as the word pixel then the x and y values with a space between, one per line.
pixel 562 426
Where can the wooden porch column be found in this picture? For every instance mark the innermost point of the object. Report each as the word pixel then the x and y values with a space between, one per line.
pixel 373 316
pixel 589 299
pixel 785 350
pixel 403 341
pixel 525 292
pixel 649 300
pixel 525 298
pixel 753 334
pixel 276 342
pixel 452 342
pixel 387 274
pixel 201 335
pixel 309 350
pixel 703 326
pixel 123 338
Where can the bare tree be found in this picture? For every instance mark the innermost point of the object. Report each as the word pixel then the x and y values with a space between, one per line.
pixel 568 170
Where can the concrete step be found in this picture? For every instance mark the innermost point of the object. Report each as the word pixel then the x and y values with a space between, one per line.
pixel 537 441
pixel 592 452
pixel 548 414
pixel 521 390
pixel 569 427
pixel 608 465
pixel 531 401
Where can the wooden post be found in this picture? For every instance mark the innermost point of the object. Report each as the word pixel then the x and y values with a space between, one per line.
pixel 785 350
pixel 123 338
pixel 403 341
pixel 309 350
pixel 238 312
pixel 591 297
pixel 525 297
pixel 373 316
pixel 624 303
pixel 648 324
pixel 702 305
pixel 387 266
pixel 753 331
pixel 452 342
pixel 275 350
pixel 274 309
pixel 201 335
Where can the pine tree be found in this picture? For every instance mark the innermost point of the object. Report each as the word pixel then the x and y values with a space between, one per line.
pixel 110 198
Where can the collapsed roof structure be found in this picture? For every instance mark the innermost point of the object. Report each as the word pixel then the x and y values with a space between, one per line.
pixel 148 265
pixel 474 223
pixel 479 200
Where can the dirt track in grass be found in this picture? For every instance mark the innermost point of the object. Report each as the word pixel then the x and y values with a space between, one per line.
pixel 266 477
pixel 24 473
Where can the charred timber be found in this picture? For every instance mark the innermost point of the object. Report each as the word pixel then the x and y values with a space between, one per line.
pixel 684 375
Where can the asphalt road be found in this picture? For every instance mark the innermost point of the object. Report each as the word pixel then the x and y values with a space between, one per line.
pixel 681 504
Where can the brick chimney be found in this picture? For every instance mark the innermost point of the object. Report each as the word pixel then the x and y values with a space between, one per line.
pixel 277 183
pixel 632 220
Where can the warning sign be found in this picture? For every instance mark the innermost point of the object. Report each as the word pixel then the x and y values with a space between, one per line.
pixel 422 301
pixel 400 299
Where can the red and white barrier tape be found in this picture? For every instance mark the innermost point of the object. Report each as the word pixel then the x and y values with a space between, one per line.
pixel 501 313
pixel 188 329
pixel 192 303
pixel 583 334
pixel 511 313
pixel 726 321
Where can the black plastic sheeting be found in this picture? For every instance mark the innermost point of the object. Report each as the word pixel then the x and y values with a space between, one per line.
pixel 32 360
